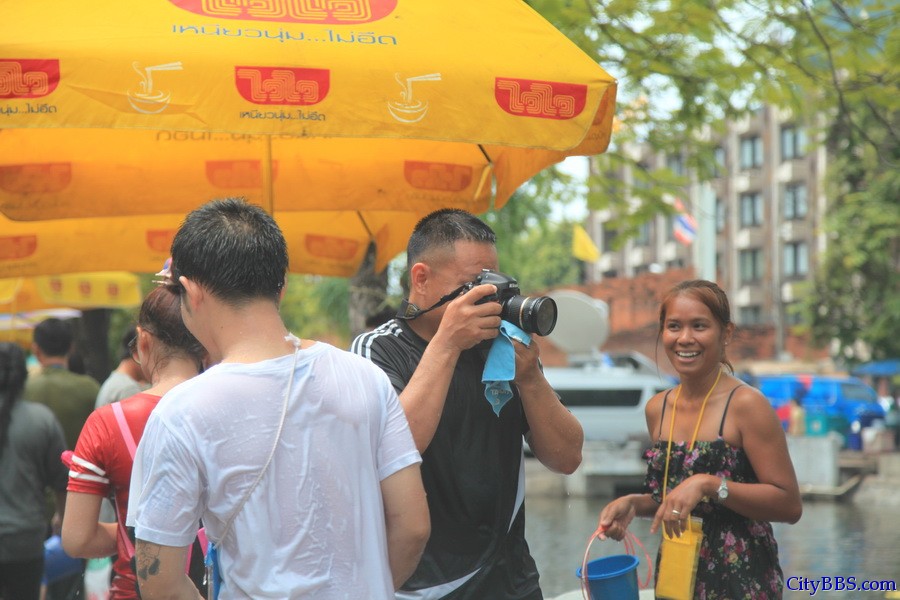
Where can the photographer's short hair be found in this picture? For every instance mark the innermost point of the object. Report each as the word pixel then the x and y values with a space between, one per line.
pixel 53 337
pixel 232 248
pixel 443 228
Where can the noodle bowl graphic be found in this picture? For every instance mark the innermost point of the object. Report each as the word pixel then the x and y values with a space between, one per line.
pixel 147 100
pixel 410 110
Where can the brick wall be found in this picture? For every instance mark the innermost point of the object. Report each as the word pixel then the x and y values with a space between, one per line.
pixel 634 322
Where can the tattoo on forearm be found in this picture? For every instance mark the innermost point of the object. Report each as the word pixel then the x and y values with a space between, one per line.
pixel 147 561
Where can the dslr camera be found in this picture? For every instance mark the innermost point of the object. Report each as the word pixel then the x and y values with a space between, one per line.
pixel 532 315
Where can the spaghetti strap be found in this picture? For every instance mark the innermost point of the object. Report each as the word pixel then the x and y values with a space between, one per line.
pixel 725 411
pixel 663 415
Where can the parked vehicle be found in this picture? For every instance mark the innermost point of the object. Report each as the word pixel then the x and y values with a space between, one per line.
pixel 779 389
pixel 847 397
pixel 844 405
pixel 608 401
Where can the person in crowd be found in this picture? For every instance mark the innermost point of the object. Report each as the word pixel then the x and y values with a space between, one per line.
pixel 127 379
pixel 102 462
pixel 31 441
pixel 473 463
pixel 296 455
pixel 69 395
pixel 724 450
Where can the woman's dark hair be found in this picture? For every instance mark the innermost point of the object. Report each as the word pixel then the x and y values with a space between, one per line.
pixel 12 381
pixel 160 315
pixel 706 292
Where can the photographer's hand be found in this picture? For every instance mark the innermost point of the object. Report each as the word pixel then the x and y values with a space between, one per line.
pixel 466 323
pixel 462 325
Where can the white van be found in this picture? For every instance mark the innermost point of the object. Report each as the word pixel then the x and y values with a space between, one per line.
pixel 608 401
pixel 606 392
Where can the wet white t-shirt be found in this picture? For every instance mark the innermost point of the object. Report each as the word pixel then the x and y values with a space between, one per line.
pixel 314 526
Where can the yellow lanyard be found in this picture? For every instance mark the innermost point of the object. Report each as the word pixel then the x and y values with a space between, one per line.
pixel 696 427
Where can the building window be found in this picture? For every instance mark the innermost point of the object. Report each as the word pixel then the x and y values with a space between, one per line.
pixel 793 142
pixel 794 202
pixel 751 209
pixel 677 263
pixel 609 238
pixel 675 164
pixel 720 215
pixel 719 167
pixel 751 152
pixel 796 259
pixel 751 265
pixel 793 314
pixel 750 315
pixel 643 235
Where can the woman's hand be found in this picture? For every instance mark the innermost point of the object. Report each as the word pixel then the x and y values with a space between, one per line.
pixel 675 510
pixel 615 518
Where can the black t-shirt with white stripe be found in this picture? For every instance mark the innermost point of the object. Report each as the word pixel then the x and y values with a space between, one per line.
pixel 471 472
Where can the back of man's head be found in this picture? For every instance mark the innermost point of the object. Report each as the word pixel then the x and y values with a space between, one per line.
pixel 233 249
pixel 442 229
pixel 53 337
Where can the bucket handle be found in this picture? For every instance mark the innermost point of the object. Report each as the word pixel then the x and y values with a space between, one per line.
pixel 630 540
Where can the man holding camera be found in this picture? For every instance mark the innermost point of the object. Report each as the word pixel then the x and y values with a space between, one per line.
pixel 473 464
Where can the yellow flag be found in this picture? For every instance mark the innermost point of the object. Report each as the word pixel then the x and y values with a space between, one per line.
pixel 583 247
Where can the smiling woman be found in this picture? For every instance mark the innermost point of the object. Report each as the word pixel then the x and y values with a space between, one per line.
pixel 719 455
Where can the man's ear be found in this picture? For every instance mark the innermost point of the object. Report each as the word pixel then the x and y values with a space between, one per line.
pixel 193 293
pixel 418 277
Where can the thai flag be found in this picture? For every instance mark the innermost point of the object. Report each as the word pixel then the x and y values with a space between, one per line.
pixel 684 226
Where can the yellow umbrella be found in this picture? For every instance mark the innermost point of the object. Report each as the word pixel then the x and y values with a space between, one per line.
pixel 26 301
pixel 321 242
pixel 349 108
pixel 78 290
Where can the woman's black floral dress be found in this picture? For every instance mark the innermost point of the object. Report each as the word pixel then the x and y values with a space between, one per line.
pixel 738 556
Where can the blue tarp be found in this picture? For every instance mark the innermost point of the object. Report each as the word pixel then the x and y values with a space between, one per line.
pixel 878 368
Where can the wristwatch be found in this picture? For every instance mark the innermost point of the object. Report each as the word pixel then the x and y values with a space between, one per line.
pixel 722 493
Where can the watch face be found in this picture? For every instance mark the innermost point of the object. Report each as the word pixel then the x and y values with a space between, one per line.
pixel 723 490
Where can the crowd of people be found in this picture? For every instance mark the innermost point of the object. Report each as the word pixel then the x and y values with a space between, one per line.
pixel 382 471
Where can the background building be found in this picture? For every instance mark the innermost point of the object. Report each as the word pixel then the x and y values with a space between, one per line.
pixel 756 229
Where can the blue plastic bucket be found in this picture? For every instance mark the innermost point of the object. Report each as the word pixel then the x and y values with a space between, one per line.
pixel 613 577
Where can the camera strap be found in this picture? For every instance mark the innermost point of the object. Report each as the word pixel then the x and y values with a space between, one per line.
pixel 409 311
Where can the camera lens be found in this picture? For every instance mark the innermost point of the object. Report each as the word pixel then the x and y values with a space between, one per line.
pixel 533 315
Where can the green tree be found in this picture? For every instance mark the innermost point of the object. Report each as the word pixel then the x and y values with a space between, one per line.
pixel 531 247
pixel 685 65
pixel 317 307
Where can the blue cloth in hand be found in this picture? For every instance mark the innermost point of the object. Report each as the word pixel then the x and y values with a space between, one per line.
pixel 500 367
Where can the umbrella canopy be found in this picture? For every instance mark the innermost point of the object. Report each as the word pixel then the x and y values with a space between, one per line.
pixel 878 368
pixel 80 290
pixel 322 242
pixel 26 301
pixel 348 113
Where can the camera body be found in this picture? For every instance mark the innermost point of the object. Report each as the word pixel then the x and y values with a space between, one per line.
pixel 532 315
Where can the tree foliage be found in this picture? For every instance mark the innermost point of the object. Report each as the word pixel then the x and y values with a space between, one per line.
pixel 685 66
pixel 532 247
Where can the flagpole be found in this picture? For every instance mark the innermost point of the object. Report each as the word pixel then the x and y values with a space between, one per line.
pixel 706 232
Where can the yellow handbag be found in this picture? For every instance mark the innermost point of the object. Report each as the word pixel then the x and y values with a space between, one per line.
pixel 678 559
pixel 678 556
